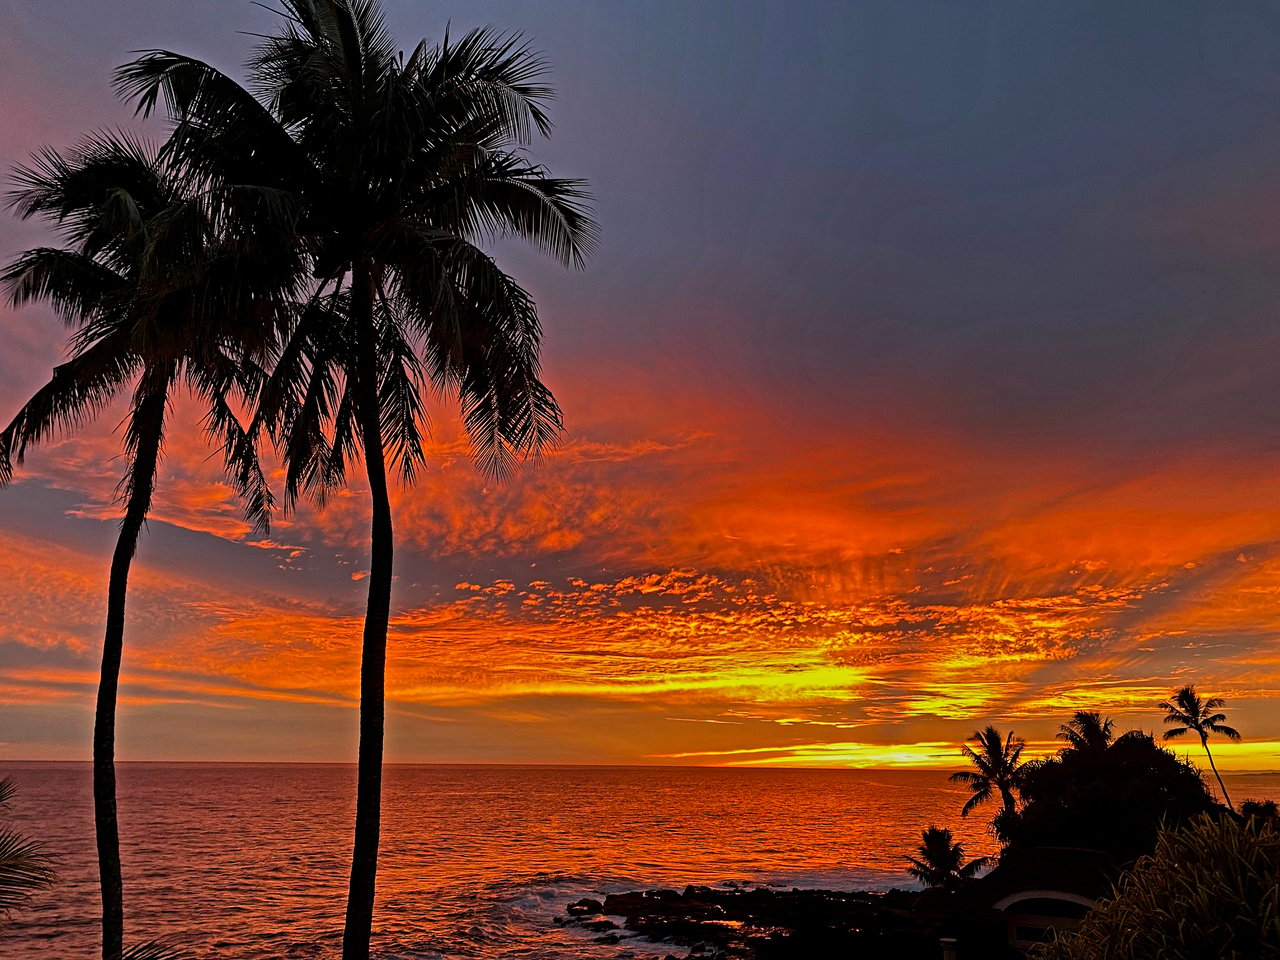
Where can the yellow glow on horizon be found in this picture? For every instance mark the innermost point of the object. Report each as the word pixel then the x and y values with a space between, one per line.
pixel 768 584
pixel 930 754
pixel 1255 757
pixel 1249 756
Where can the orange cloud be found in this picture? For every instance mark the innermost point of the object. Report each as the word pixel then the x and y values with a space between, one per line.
pixel 906 585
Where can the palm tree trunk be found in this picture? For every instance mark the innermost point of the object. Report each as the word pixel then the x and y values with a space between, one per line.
pixel 149 421
pixel 373 655
pixel 1204 742
pixel 1006 797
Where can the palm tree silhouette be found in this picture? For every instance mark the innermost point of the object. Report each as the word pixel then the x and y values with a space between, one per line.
pixel 24 867
pixel 941 861
pixel 997 767
pixel 157 301
pixel 1087 732
pixel 1189 712
pixel 393 169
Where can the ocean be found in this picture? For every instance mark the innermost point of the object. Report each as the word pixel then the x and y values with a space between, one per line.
pixel 249 861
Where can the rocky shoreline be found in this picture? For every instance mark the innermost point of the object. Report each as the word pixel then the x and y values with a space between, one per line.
pixel 767 924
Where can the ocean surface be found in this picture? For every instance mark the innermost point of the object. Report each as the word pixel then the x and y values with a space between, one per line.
pixel 249 861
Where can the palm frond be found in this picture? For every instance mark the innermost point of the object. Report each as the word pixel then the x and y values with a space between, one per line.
pixel 144 436
pixel 221 131
pixel 217 385
pixel 981 794
pixel 500 194
pixel 489 72
pixel 971 869
pixel 75 285
pixel 75 393
pixel 1231 733
pixel 105 184
pixel 155 950
pixel 305 403
pixel 400 395
pixel 24 869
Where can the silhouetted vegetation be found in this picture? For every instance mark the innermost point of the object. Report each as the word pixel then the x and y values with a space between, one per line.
pixel 1115 799
pixel 1100 791
pixel 24 867
pixel 1209 890
pixel 1186 712
pixel 1087 732
pixel 313 243
pixel 941 864
pixel 385 174
pixel 154 950
pixel 1070 823
pixel 997 763
pixel 1261 809
pixel 159 298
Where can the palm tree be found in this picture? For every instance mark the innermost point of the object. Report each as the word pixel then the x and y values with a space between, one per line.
pixel 24 868
pixel 1189 712
pixel 997 767
pixel 157 299
pixel 1087 732
pixel 396 169
pixel 941 861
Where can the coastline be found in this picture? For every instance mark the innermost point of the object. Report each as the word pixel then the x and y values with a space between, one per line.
pixel 744 922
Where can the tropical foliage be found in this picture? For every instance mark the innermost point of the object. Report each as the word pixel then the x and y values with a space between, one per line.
pixel 155 950
pixel 161 293
pixel 941 863
pixel 1265 809
pixel 1208 890
pixel 1101 791
pixel 997 768
pixel 1087 732
pixel 1113 800
pixel 1185 712
pixel 387 173
pixel 24 867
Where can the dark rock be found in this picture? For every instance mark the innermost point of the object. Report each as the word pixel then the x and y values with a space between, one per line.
pixel 585 906
pixel 761 924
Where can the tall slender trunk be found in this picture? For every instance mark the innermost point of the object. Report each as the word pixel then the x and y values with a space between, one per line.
pixel 1204 742
pixel 148 422
pixel 1006 798
pixel 373 654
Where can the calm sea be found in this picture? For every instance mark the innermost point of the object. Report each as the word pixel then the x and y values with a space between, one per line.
pixel 248 862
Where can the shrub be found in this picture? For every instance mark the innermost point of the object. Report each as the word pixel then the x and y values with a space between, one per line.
pixel 1113 800
pixel 1210 889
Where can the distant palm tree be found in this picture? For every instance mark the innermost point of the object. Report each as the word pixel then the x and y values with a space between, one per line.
pixel 997 767
pixel 941 861
pixel 157 300
pixel 1087 732
pixel 24 868
pixel 397 170
pixel 1189 712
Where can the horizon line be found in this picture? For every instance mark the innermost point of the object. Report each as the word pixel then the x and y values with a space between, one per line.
pixel 536 764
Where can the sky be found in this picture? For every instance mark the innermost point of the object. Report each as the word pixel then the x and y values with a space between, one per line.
pixel 924 379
